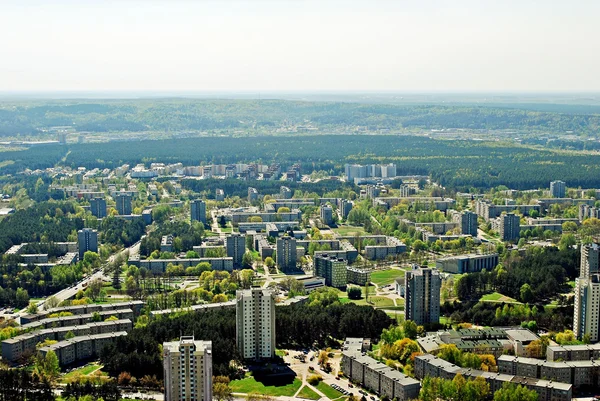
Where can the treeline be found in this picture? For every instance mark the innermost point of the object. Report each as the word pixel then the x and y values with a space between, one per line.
pixel 298 325
pixel 458 164
pixel 555 319
pixel 234 187
pixel 21 385
pixel 43 222
pixel 201 115
pixel 538 275
pixel 118 231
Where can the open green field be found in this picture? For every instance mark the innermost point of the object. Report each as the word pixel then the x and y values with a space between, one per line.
pixel 329 391
pixel 496 297
pixel 386 277
pixel 83 371
pixel 308 393
pixel 249 385
pixel 347 231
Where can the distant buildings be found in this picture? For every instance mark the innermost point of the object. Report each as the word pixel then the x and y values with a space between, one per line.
pixel 326 214
pixel 332 269
pixel 467 263
pixel 345 207
pixel 586 317
pixel 98 207
pixel 285 193
pixel 422 295
pixel 510 227
pixel 252 194
pixel 198 211
pixel 187 367
pixel 558 189
pixel 353 171
pixel 286 254
pixel 87 240
pixel 235 245
pixel 255 323
pixel 123 204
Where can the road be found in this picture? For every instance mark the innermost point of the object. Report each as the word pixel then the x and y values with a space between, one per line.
pixel 70 292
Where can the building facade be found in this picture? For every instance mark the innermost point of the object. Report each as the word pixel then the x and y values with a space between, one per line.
pixel 422 295
pixel 558 189
pixel 87 240
pixel 187 365
pixel 510 227
pixel 286 256
pixel 255 323
pixel 235 246
pixel 327 214
pixel 98 207
pixel 123 202
pixel 198 211
pixel 586 315
pixel 332 269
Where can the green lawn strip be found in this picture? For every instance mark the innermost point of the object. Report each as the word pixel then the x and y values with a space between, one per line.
pixel 84 371
pixel 386 277
pixel 308 393
pixel 249 385
pixel 329 391
pixel 497 297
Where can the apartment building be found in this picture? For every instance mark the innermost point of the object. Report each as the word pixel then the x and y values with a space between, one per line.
pixel 422 295
pixel 187 366
pixel 332 269
pixel 286 254
pixel 235 246
pixel 87 240
pixel 468 263
pixel 255 323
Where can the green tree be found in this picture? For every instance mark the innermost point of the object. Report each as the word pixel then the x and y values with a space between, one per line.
pixel 354 292
pixel 510 392
pixel 526 294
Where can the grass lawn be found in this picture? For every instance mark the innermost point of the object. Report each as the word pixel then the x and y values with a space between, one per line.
pixel 329 391
pixel 84 371
pixel 348 231
pixel 308 393
pixel 227 230
pixel 249 385
pixel 386 277
pixel 496 297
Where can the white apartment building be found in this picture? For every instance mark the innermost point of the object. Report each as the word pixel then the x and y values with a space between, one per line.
pixel 188 370
pixel 255 323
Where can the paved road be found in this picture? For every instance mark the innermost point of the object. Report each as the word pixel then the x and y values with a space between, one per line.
pixel 70 292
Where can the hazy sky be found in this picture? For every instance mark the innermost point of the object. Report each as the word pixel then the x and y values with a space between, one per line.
pixel 392 45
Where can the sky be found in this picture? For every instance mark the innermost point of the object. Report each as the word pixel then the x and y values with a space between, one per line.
pixel 300 45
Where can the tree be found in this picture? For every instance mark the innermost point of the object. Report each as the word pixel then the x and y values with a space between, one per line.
pixel 410 329
pixel 269 262
pixel 21 297
pixel 354 292
pixel 510 392
pixel 250 242
pixel 47 366
pixel 526 294
pixel 94 288
pixel 567 240
pixel 52 302
pixel 221 389
pixel 323 358
pixel 247 260
pixel 69 335
pixel 32 308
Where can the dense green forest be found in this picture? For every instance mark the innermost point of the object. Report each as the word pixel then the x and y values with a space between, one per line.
pixel 297 325
pixel 457 164
pixel 29 118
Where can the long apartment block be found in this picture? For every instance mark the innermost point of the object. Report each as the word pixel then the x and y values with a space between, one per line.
pixel 24 345
pixel 432 366
pixel 136 306
pixel 77 320
pixel 80 348
pixel 375 375
pixel 578 373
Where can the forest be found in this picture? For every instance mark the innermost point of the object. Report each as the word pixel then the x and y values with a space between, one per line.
pixel 458 164
pixel 297 325
pixel 32 117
